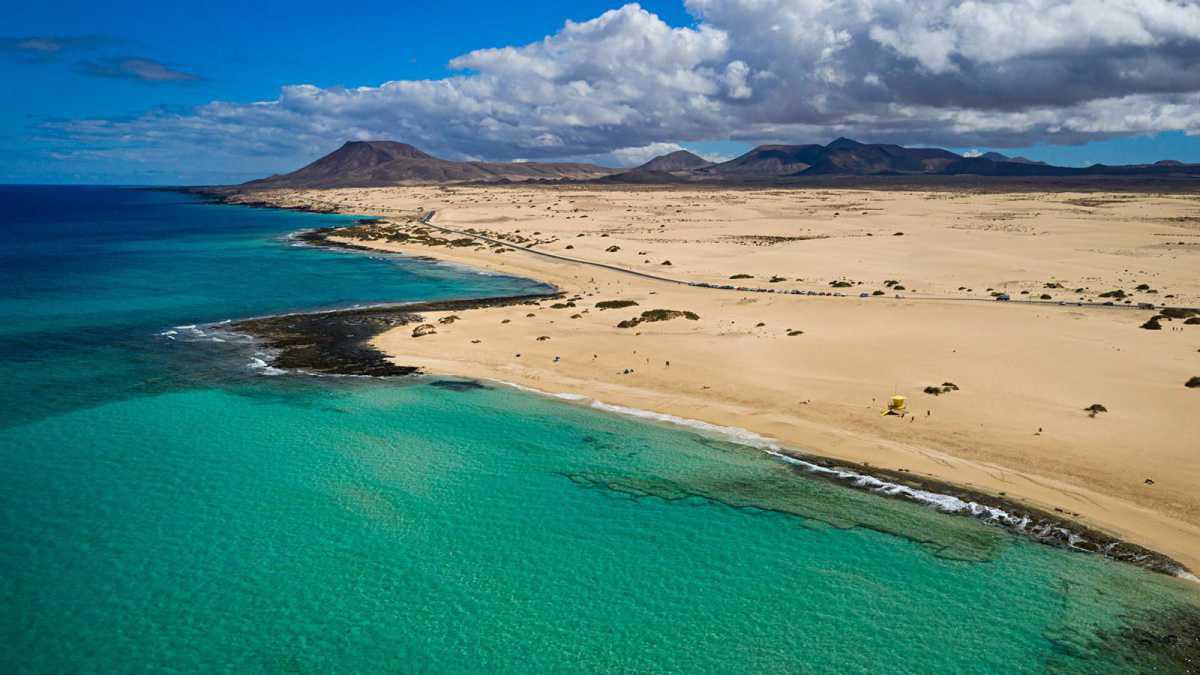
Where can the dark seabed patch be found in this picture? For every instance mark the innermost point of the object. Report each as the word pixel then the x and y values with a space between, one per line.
pixel 339 342
pixel 458 385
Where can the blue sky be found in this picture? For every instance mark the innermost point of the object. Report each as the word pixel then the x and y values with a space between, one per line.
pixel 240 51
pixel 101 100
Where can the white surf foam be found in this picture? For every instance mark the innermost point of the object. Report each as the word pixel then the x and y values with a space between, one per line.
pixel 936 500
pixel 559 395
pixel 742 436
pixel 260 364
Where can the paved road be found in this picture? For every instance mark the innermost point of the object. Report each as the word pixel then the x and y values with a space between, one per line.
pixel 427 219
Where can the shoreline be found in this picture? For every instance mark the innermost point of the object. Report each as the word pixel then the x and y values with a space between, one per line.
pixel 343 341
pixel 948 498
pixel 338 341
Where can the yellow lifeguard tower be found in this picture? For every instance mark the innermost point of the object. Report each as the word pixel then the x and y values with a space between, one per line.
pixel 897 406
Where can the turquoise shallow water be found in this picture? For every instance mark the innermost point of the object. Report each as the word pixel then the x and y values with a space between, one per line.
pixel 164 506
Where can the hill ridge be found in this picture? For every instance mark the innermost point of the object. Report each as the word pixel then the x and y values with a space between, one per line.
pixel 378 163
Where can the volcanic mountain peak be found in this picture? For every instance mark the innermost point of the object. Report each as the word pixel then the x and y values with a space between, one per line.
pixel 389 149
pixel 680 160
pixel 380 163
pixel 844 143
pixel 998 157
pixel 771 160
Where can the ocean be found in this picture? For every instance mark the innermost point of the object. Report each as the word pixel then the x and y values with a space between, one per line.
pixel 170 502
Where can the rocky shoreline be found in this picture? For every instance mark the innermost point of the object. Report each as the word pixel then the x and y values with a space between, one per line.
pixel 338 342
pixel 1044 527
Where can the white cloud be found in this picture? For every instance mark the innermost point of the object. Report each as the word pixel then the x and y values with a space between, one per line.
pixel 981 72
pixel 734 80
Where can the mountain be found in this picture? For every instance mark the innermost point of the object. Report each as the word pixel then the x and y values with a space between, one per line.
pixel 842 156
pixel 997 157
pixel 979 166
pixel 847 157
pixel 674 167
pixel 768 161
pixel 680 160
pixel 982 166
pixel 382 163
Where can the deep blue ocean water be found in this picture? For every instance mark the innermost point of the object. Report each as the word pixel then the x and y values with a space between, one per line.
pixel 165 505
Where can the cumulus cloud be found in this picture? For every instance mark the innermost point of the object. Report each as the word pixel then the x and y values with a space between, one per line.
pixel 981 72
pixel 135 68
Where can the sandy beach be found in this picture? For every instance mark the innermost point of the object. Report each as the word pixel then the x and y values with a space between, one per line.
pixel 814 372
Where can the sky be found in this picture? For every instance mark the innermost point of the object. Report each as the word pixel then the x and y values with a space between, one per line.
pixel 222 92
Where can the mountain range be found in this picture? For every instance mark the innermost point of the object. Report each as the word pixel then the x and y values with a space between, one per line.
pixel 381 163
